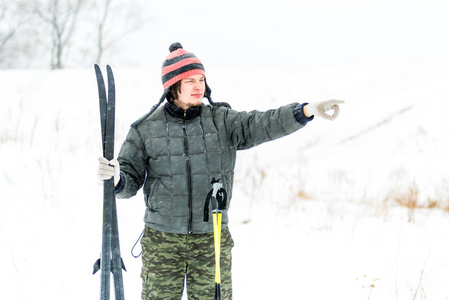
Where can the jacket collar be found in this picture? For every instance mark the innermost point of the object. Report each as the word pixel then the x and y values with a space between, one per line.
pixel 178 112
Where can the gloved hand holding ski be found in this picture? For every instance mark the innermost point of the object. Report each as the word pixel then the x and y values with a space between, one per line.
pixel 108 168
pixel 321 109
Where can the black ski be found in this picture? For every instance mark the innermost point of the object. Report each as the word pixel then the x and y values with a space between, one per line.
pixel 110 260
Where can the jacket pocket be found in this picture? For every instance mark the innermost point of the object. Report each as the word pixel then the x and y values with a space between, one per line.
pixel 150 199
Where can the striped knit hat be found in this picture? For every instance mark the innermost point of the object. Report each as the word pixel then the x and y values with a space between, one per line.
pixel 180 64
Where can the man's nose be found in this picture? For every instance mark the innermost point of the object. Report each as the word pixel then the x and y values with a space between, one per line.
pixel 197 85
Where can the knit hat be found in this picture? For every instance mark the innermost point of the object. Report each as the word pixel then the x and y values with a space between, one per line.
pixel 180 64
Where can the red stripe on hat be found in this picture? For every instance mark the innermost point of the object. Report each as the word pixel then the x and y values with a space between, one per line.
pixel 175 79
pixel 180 64
pixel 176 53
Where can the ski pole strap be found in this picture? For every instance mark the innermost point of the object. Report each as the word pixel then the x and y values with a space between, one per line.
pixel 132 250
pixel 206 207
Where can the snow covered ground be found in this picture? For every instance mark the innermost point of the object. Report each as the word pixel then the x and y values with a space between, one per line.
pixel 315 215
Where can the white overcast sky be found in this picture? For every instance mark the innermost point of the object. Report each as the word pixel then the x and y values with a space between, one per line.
pixel 296 35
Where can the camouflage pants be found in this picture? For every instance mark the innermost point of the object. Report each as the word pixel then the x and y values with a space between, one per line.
pixel 168 259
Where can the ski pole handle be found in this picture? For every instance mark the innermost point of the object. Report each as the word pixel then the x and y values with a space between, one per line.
pixel 216 187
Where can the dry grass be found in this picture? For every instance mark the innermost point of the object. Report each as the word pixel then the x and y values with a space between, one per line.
pixel 301 194
pixel 409 198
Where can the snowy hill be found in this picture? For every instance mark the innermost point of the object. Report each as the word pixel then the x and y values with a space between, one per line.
pixel 356 208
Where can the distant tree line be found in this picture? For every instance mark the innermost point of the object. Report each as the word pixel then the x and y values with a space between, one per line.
pixel 54 33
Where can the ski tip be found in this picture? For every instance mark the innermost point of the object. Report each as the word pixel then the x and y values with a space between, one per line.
pixel 96 66
pixel 110 75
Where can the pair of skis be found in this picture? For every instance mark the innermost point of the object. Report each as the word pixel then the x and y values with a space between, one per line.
pixel 110 260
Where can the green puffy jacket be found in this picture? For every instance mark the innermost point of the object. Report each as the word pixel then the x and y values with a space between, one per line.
pixel 176 155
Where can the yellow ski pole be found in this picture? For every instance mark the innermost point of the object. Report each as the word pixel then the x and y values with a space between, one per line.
pixel 216 215
pixel 217 197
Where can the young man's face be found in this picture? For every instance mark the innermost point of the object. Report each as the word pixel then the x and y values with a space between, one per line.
pixel 192 91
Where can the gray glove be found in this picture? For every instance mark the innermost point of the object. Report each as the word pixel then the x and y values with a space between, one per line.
pixel 108 168
pixel 321 108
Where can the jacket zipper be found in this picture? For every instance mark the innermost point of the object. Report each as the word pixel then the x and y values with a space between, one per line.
pixel 189 177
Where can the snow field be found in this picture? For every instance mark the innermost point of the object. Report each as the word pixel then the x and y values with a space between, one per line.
pixel 314 215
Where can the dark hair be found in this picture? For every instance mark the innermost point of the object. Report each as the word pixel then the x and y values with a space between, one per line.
pixel 173 91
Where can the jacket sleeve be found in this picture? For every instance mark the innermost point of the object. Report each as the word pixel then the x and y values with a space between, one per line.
pixel 132 158
pixel 249 129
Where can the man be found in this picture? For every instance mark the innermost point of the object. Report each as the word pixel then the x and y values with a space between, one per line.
pixel 175 152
